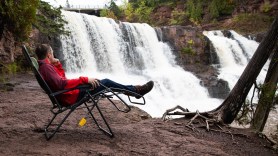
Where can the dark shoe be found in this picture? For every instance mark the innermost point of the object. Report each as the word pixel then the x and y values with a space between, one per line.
pixel 144 89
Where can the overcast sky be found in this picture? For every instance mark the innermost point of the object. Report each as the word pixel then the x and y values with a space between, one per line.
pixel 82 3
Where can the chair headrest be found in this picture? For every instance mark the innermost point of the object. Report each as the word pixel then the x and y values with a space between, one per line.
pixel 35 63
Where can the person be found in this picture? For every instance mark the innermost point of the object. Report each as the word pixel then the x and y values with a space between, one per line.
pixel 54 75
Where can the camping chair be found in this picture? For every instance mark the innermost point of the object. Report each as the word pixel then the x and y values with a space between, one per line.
pixel 58 108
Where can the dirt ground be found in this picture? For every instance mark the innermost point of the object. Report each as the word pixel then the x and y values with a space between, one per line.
pixel 24 111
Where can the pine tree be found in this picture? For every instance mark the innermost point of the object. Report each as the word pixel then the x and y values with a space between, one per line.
pixel 67 4
pixel 213 10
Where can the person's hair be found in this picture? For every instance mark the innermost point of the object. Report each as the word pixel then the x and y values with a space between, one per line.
pixel 42 50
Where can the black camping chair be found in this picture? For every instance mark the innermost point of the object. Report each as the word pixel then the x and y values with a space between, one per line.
pixel 58 108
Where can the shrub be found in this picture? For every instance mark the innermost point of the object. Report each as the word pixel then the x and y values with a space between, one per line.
pixel 178 17
pixel 188 50
pixel 266 7
pixel 248 23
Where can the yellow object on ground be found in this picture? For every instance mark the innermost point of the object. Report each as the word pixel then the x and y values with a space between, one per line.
pixel 82 122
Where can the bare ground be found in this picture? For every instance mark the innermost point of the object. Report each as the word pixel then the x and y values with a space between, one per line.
pixel 24 111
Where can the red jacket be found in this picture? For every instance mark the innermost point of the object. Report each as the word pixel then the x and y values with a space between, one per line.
pixel 56 79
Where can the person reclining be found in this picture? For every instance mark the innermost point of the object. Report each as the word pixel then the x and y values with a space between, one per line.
pixel 54 75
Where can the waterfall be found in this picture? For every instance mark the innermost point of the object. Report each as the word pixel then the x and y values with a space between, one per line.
pixel 131 53
pixel 234 53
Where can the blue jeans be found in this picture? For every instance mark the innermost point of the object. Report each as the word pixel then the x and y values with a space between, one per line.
pixel 108 83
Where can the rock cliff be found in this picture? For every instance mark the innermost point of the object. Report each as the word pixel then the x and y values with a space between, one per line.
pixel 195 53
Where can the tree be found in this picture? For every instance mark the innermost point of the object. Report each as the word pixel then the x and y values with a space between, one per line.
pixel 115 9
pixel 198 11
pixel 143 12
pixel 267 96
pixel 50 20
pixel 129 12
pixel 228 110
pixel 18 16
pixel 194 11
pixel 67 4
pixel 213 10
pixel 190 7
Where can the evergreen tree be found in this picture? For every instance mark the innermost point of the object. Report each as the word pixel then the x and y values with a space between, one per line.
pixel 18 16
pixel 129 12
pixel 143 12
pixel 190 7
pixel 115 9
pixel 194 11
pixel 50 20
pixel 199 11
pixel 67 4
pixel 213 10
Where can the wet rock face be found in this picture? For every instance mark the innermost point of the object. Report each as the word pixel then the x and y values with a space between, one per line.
pixel 196 54
pixel 218 89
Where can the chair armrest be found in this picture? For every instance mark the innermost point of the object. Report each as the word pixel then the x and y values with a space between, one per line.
pixel 85 86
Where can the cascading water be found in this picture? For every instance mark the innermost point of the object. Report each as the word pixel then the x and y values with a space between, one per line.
pixel 234 53
pixel 131 54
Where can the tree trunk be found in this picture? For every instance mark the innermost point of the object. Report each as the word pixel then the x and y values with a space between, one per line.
pixel 229 109
pixel 267 96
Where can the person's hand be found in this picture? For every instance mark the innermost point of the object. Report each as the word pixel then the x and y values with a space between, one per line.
pixel 94 82
pixel 54 61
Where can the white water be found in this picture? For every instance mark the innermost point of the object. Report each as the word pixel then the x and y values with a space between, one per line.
pixel 234 54
pixel 233 58
pixel 131 54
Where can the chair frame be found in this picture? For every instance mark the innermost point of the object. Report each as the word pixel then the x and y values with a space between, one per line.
pixel 58 108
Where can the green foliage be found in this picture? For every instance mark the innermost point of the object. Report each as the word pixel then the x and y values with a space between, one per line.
pixel 12 68
pixel 18 16
pixel 190 42
pixel 188 50
pixel 148 3
pixel 108 13
pixel 248 23
pixel 189 7
pixel 220 7
pixel 178 17
pixel 104 12
pixel 197 16
pixel 50 20
pixel 9 69
pixel 143 12
pixel 213 10
pixel 194 10
pixel 128 11
pixel 115 9
pixel 266 7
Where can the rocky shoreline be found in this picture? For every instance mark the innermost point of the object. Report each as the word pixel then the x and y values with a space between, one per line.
pixel 24 110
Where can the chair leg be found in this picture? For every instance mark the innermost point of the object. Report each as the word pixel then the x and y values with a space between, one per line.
pixel 107 131
pixel 50 134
